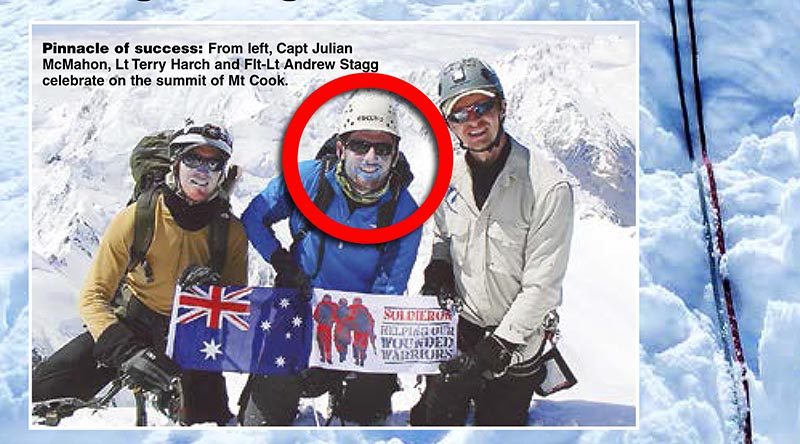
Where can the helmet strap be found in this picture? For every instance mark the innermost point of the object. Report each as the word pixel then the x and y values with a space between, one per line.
pixel 496 142
pixel 173 182
pixel 500 131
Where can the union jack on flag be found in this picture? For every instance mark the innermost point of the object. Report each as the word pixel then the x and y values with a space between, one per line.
pixel 246 329
pixel 216 304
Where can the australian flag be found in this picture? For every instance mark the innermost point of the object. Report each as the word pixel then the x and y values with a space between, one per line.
pixel 257 330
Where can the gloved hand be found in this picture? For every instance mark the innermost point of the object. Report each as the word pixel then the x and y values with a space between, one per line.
pixel 315 381
pixel 116 344
pixel 491 356
pixel 440 282
pixel 119 348
pixel 152 371
pixel 289 274
pixel 198 275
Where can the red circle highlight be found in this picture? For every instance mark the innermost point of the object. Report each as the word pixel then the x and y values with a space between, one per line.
pixel 291 143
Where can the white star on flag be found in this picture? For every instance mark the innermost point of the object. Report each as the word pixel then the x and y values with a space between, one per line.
pixel 296 321
pixel 280 361
pixel 284 303
pixel 288 335
pixel 266 325
pixel 211 350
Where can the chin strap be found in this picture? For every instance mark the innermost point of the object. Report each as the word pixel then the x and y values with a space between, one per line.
pixel 495 143
pixel 171 179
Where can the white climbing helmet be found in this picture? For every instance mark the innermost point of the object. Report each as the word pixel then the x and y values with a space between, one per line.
pixel 371 110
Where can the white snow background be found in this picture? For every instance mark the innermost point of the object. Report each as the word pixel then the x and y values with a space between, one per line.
pixel 748 61
pixel 82 137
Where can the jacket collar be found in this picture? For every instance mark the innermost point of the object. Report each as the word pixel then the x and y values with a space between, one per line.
pixel 516 168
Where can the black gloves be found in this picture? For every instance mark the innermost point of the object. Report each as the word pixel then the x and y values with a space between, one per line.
pixel 116 344
pixel 315 381
pixel 491 354
pixel 198 275
pixel 118 347
pixel 152 371
pixel 289 274
pixel 440 282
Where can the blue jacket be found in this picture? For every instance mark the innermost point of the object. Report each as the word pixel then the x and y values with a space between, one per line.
pixel 345 266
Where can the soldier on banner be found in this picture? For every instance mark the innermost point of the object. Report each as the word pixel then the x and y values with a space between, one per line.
pixel 360 178
pixel 344 330
pixel 363 326
pixel 325 315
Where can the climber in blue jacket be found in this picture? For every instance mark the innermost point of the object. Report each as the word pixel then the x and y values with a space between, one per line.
pixel 359 179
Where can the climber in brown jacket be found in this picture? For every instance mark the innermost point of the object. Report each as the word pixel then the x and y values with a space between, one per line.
pixel 130 338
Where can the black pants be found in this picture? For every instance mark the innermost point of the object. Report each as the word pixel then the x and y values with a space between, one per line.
pixel 498 402
pixel 270 400
pixel 362 398
pixel 73 372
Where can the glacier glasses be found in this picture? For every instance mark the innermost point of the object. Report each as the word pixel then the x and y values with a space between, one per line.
pixel 479 109
pixel 194 161
pixel 361 147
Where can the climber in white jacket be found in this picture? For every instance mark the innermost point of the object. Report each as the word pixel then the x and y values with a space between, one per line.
pixel 501 246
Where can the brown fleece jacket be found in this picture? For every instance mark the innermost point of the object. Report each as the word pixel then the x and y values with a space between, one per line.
pixel 171 251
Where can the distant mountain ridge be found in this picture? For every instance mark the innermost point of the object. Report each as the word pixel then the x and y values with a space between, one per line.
pixel 83 148
pixel 552 101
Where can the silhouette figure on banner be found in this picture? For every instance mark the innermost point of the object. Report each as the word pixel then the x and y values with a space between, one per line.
pixel 325 315
pixel 363 326
pixel 342 329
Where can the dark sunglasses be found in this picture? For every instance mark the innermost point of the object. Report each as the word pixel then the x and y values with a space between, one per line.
pixel 210 131
pixel 194 161
pixel 479 109
pixel 361 147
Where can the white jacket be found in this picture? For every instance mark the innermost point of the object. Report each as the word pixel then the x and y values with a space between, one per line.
pixel 509 258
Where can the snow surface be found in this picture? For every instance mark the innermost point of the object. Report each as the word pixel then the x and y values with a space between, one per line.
pixel 83 137
pixel 748 58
